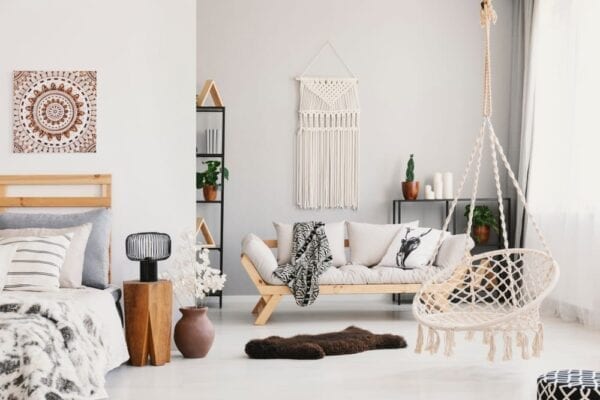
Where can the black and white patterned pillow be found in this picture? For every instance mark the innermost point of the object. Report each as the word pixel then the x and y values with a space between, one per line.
pixel 37 262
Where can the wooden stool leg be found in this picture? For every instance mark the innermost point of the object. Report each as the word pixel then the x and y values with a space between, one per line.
pixel 159 324
pixel 265 313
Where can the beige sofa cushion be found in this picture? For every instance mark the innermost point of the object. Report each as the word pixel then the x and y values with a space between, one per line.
pixel 369 242
pixel 262 257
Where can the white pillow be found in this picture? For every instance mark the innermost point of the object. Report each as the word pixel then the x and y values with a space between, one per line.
pixel 261 256
pixel 412 247
pixel 369 242
pixel 37 262
pixel 7 252
pixel 452 250
pixel 72 271
pixel 335 236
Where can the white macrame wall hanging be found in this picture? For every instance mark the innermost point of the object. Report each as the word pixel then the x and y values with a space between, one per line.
pixel 327 141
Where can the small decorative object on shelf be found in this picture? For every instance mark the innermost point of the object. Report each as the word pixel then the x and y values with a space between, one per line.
pixel 448 185
pixel 209 179
pixel 193 279
pixel 483 220
pixel 202 227
pixel 213 141
pixel 210 88
pixel 438 185
pixel 410 187
pixel 148 248
pixel 429 194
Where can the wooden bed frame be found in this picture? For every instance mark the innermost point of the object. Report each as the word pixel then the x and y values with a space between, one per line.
pixel 270 295
pixel 104 199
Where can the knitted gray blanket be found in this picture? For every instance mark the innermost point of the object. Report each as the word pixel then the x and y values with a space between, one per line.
pixel 310 258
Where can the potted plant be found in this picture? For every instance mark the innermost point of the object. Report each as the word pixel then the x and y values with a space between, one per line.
pixel 209 179
pixel 193 279
pixel 410 187
pixel 483 220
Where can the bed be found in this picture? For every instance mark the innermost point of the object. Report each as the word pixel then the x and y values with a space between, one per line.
pixel 59 344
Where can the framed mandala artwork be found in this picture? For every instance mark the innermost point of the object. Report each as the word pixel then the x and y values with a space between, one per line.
pixel 54 112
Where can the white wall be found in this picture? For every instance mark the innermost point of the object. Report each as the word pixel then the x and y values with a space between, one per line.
pixel 145 55
pixel 419 64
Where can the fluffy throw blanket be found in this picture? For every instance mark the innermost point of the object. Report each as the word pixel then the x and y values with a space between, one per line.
pixel 310 258
pixel 49 351
pixel 309 347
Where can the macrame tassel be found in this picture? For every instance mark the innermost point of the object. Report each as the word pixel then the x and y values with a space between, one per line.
pixel 469 335
pixel 492 344
pixel 436 343
pixel 430 340
pixel 486 337
pixel 523 343
pixel 507 347
pixel 449 350
pixel 419 344
pixel 538 342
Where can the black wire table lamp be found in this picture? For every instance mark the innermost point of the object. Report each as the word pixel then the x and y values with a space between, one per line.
pixel 148 248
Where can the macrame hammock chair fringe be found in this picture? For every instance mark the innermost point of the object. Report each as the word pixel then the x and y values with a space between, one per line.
pixel 498 293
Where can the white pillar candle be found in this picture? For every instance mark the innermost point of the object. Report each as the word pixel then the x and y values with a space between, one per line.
pixel 438 185
pixel 429 195
pixel 448 185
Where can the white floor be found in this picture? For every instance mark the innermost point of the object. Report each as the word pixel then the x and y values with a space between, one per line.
pixel 226 373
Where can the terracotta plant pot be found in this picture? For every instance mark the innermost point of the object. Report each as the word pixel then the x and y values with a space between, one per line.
pixel 194 333
pixel 410 190
pixel 209 192
pixel 481 234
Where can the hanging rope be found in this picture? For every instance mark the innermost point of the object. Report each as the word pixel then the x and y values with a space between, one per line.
pixel 488 16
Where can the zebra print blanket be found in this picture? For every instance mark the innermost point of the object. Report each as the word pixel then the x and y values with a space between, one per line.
pixel 310 258
pixel 49 351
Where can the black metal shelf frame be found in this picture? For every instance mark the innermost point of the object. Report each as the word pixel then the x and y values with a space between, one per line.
pixel 220 202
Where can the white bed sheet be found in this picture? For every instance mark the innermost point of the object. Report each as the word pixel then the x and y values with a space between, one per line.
pixel 98 302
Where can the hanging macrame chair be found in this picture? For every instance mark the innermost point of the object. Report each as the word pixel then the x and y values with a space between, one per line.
pixel 497 293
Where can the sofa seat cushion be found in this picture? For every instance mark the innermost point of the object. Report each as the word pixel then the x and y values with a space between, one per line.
pixel 361 275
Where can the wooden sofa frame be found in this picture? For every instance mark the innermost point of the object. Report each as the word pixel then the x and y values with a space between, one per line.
pixel 270 295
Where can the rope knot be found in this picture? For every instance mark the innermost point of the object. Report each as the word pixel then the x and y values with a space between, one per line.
pixel 487 13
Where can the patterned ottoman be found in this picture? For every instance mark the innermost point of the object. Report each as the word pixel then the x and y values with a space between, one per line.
pixel 569 384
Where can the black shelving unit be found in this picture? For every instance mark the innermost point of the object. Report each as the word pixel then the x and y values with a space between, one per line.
pixel 220 203
pixel 397 206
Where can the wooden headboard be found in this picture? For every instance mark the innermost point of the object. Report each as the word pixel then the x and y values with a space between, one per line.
pixel 103 199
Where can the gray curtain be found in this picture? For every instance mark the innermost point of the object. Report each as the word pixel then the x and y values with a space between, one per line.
pixel 520 137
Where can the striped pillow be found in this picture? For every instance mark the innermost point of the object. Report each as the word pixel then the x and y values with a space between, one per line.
pixel 37 262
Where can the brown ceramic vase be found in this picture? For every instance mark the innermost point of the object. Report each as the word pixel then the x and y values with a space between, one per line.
pixel 410 190
pixel 481 234
pixel 209 192
pixel 194 333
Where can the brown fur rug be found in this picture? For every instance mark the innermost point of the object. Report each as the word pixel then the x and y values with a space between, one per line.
pixel 311 347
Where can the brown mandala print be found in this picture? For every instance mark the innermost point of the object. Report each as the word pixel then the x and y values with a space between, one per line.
pixel 54 112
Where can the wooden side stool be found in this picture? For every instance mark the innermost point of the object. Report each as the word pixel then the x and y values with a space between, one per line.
pixel 148 313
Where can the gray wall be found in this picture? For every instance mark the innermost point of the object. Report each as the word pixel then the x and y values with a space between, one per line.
pixel 419 65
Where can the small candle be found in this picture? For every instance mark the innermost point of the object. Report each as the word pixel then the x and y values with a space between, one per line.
pixel 448 185
pixel 438 185
pixel 429 195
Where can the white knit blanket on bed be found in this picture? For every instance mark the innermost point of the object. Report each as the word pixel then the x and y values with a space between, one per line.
pixel 49 351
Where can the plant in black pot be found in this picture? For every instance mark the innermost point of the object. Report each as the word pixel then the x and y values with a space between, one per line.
pixel 410 187
pixel 209 180
pixel 483 220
